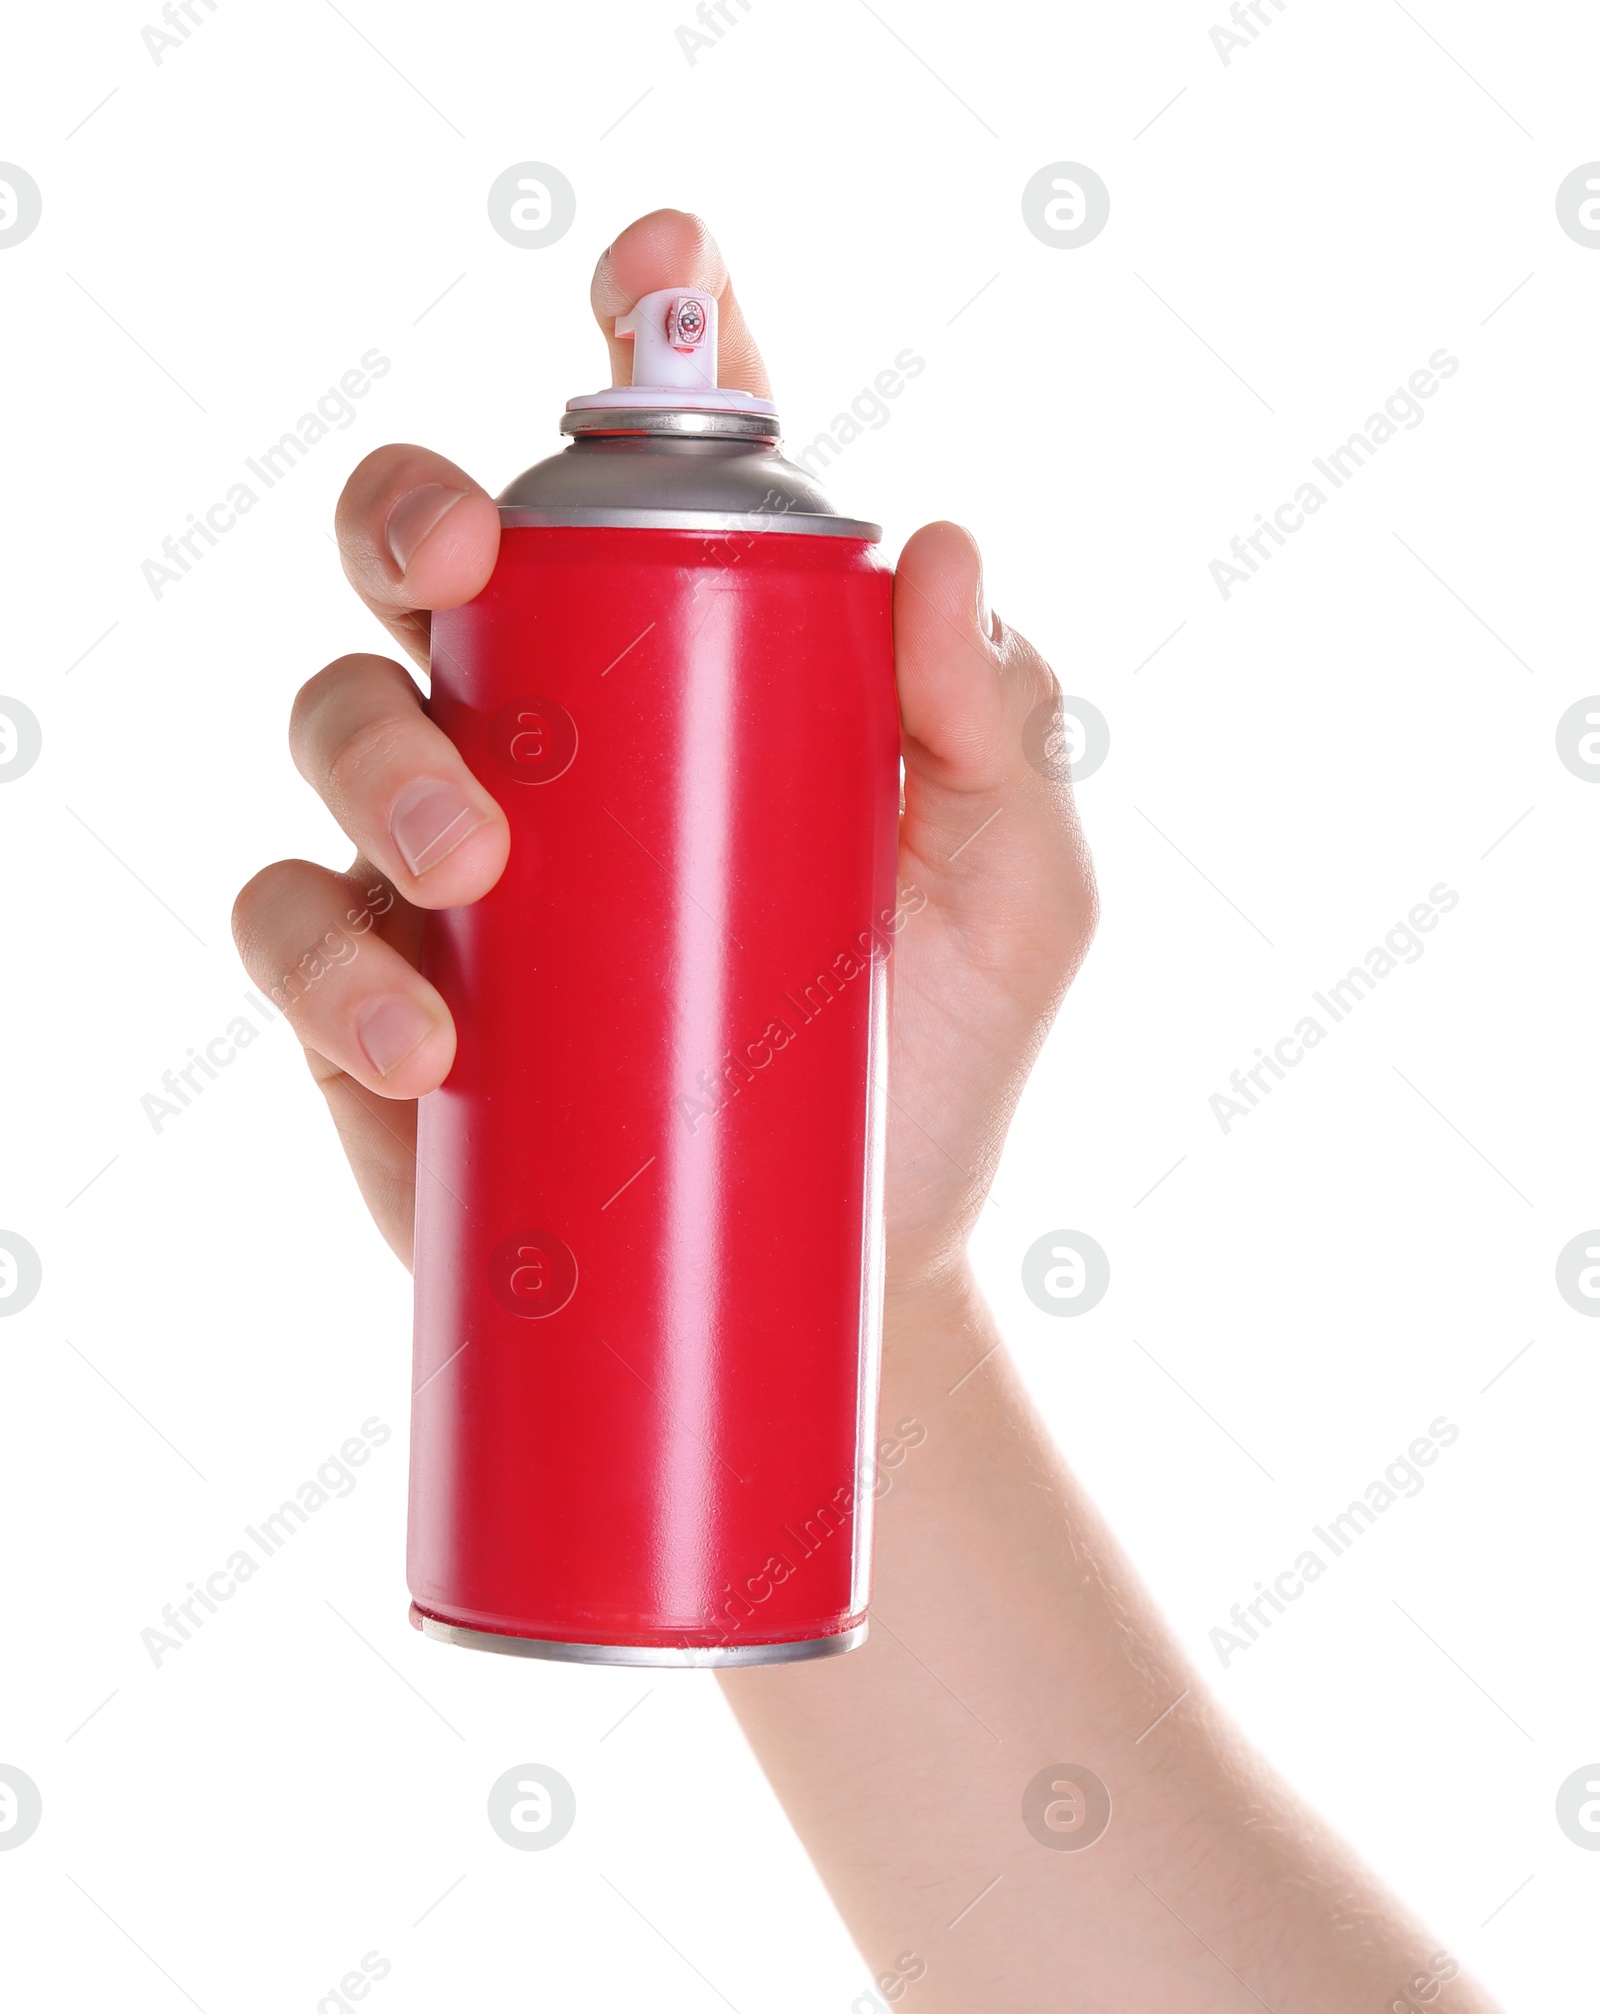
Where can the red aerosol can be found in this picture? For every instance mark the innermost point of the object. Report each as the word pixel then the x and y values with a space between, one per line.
pixel 649 1194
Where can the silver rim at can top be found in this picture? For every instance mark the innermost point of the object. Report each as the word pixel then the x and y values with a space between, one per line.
pixel 688 1657
pixel 515 517
pixel 619 420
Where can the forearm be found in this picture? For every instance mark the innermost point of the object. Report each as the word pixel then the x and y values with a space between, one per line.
pixel 1009 1635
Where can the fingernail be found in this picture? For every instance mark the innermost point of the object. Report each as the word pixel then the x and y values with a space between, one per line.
pixel 414 515
pixel 429 819
pixel 389 1028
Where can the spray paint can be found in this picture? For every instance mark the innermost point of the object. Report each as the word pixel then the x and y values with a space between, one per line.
pixel 649 1194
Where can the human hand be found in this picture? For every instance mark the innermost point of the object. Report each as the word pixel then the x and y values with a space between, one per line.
pixel 989 843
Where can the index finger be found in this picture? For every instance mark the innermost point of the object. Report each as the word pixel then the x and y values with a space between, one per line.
pixel 415 533
pixel 672 248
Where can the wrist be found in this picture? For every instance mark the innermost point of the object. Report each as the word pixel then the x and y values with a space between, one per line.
pixel 930 1293
pixel 936 1328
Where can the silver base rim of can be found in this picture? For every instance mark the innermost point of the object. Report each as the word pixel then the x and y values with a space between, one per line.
pixel 690 1657
pixel 518 517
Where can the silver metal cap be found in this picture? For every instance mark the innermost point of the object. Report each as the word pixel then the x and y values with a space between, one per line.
pixel 656 475
pixel 671 420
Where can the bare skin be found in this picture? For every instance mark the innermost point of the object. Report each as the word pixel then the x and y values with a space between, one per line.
pixel 1212 1887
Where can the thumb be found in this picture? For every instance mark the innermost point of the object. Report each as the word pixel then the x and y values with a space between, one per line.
pixel 989 814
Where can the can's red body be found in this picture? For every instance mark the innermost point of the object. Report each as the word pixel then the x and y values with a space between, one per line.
pixel 648 1195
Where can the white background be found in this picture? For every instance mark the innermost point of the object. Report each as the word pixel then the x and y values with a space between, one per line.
pixel 1297 1300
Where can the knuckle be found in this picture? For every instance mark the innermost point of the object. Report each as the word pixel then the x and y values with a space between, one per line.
pixel 315 694
pixel 360 750
pixel 352 690
pixel 274 927
pixel 258 899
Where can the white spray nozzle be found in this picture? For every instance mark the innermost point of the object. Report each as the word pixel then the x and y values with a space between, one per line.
pixel 674 335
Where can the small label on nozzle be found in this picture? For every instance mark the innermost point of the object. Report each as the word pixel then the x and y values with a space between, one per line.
pixel 686 324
